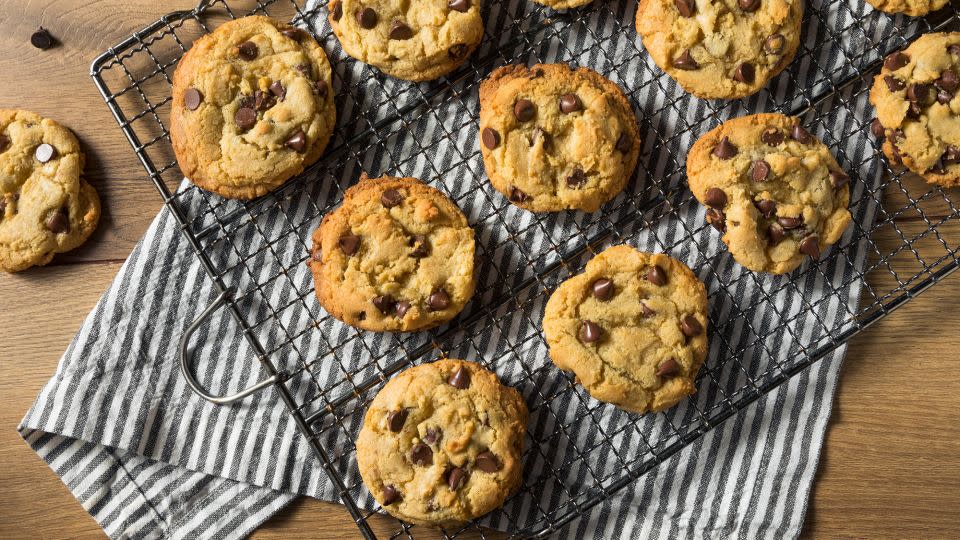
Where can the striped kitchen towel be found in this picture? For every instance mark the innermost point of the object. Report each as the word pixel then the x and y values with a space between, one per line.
pixel 148 458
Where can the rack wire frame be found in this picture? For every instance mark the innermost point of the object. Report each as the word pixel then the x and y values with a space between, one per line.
pixel 375 113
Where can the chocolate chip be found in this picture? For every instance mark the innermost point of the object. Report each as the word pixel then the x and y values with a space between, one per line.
pixel 487 462
pixel 459 5
pixel 914 110
pixel 421 248
pixel 58 222
pixel 367 18
pixel 246 102
pixel 540 134
pixel 41 39
pixel 456 478
pixel 953 49
pixel 432 435
pixel 776 233
pixel 725 149
pixel 876 128
pixel 766 207
pixel 305 70
pixel 460 378
pixel 248 50
pixel 810 246
pixel 919 93
pixel 685 7
pixel 657 276
pixel 390 495
pixel 362 316
pixel 576 179
pixel 772 136
pixel 517 195
pixel 439 300
pixel 894 84
pixel 263 101
pixel 3 207
pixel 349 243
pixel 396 419
pixel 399 30
pixel 192 98
pixel 717 219
pixel 715 197
pixel 278 90
pixel 385 303
pixel 402 308
pixel 524 110
pixel 570 103
pixel 839 179
pixel 589 332
pixel 645 309
pixel 690 326
pixel 245 118
pixel 669 368
pixel 896 61
pixel 297 142
pixel 623 143
pixel 744 73
pixel 944 96
pixel 948 80
pixel 490 138
pixel 45 152
pixel 421 454
pixel 749 6
pixel 337 11
pixel 800 135
pixel 320 88
pixel 603 289
pixel 759 171
pixel 685 62
pixel 790 222
pixel 457 51
pixel 951 155
pixel 390 198
pixel 295 34
pixel 774 44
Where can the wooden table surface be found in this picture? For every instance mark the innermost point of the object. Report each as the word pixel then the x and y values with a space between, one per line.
pixel 890 468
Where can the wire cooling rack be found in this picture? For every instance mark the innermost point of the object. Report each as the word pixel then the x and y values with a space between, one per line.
pixel 764 329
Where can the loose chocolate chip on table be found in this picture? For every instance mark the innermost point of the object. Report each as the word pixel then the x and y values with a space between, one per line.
pixel 248 50
pixel 297 142
pixel 715 197
pixel 337 11
pixel 399 30
pixel 367 18
pixel 385 303
pixel 349 243
pixel 456 478
pixel 391 198
pixel 685 62
pixel 876 128
pixel 810 246
pixel 396 419
pixel 749 5
pixel 439 300
pixel 645 309
pixel 657 276
pixel 685 7
pixel 790 222
pixel 589 332
pixel 744 73
pixel 623 143
pixel 570 103
pixel 421 248
pixel 278 90
pixel 192 98
pixel 390 495
pixel 295 34
pixel 603 289
pixel 540 134
pixel 690 326
pixel 896 61
pixel 421 454
pixel 717 219
pixel 766 207
pixel 774 44
pixel 517 195
pixel 432 435
pixel 460 378
pixel 245 118
pixel 457 51
pixel 894 84
pixel 487 462
pixel 459 5
pixel 760 170
pixel 524 110
pixel 725 149
pixel 839 179
pixel 800 135
pixel 58 222
pixel 577 178
pixel 669 368
pixel 490 138
pixel 776 233
pixel 402 308
pixel 44 152
pixel 772 136
pixel 41 39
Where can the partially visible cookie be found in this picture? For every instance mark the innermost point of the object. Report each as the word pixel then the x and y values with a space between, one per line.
pixel 721 49
pixel 252 106
pixel 441 443
pixel 917 107
pixel 914 8
pixel 396 256
pixel 563 4
pixel 415 41
pixel 632 327
pixel 46 207
pixel 555 138
pixel 771 188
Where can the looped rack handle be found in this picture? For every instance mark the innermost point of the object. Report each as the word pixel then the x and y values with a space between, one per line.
pixel 186 359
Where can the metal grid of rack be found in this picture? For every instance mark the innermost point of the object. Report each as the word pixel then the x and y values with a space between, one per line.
pixel 326 373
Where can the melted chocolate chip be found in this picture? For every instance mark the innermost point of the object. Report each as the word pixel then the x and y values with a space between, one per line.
pixel 439 300
pixel 725 149
pixel 749 6
pixel 420 245
pixel 248 51
pixel 570 103
pixel 602 289
pixel 390 198
pixel 774 44
pixel 839 179
pixel 402 308
pixel 876 128
pixel 366 18
pixel 810 246
pixel 686 7
pixel 192 98
pixel 690 326
pixel 396 419
pixel 623 143
pixel 400 31
pixel 524 110
pixel 920 93
pixel 456 478
pixel 390 495
pixel 715 197
pixel 759 171
pixel 490 138
pixel 457 51
pixel 432 435
pixel 646 310
pixel 894 84
pixel 460 379
pixel 576 179
pixel 518 196
pixel 540 134
pixel 297 142
pixel 589 332
pixel 421 454
pixel 669 368
pixel 776 233
pixel 278 90
pixel 337 12
pixel 385 303
pixel 896 61
pixel 685 61
pixel 349 243
pixel 657 276
pixel 772 136
pixel 744 73
pixel 487 462
pixel 717 219
pixel 245 118
pixel 459 5
pixel 58 222
pixel 790 222
pixel 800 135
pixel 766 207
pixel 295 34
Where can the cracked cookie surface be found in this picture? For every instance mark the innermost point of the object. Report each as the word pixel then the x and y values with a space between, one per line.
pixel 397 255
pixel 914 8
pixel 772 189
pixel 46 207
pixel 252 106
pixel 632 327
pixel 721 48
pixel 416 41
pixel 555 138
pixel 918 112
pixel 441 443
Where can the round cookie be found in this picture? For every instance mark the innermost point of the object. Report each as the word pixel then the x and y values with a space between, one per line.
pixel 563 4
pixel 914 8
pixel 415 41
pixel 46 207
pixel 555 138
pixel 771 188
pixel 632 327
pixel 441 443
pixel 723 49
pixel 918 113
pixel 252 106
pixel 396 256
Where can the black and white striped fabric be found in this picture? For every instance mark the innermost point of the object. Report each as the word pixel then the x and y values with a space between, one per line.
pixel 148 458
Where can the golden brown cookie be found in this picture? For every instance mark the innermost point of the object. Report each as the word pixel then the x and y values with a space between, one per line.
pixel 252 106
pixel 441 443
pixel 46 207
pixel 632 327
pixel 555 138
pixel 396 256
pixel 914 8
pixel 917 107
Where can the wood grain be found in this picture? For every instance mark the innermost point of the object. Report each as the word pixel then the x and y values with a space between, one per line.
pixel 890 467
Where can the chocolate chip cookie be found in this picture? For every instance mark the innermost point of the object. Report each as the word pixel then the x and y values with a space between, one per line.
pixel 396 256
pixel 46 207
pixel 563 4
pixel 415 41
pixel 632 327
pixel 441 443
pixel 252 106
pixel 918 113
pixel 556 138
pixel 914 8
pixel 772 189
pixel 722 49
